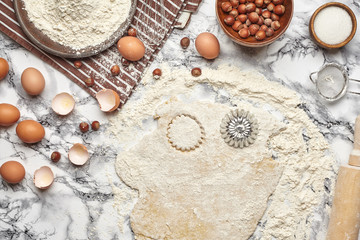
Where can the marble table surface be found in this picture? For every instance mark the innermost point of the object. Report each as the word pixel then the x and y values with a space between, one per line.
pixel 80 204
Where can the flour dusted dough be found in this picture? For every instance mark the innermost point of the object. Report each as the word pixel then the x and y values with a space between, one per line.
pixel 298 208
pixel 214 192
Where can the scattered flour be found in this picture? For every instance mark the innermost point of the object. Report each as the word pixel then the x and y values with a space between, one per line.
pixel 78 23
pixel 298 207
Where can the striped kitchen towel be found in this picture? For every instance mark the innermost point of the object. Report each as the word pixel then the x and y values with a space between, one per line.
pixel 154 21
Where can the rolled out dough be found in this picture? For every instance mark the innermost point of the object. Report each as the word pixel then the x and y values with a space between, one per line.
pixel 213 192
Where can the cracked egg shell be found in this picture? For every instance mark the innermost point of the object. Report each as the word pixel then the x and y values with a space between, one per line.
pixel 43 177
pixel 63 103
pixel 108 100
pixel 78 154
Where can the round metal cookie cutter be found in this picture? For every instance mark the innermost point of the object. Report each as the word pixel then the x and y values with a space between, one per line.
pixel 239 128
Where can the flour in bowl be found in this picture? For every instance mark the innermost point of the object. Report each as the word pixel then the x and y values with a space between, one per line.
pixel 78 23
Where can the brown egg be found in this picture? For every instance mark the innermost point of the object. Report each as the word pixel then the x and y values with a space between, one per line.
pixel 131 48
pixel 9 114
pixel 32 81
pixel 12 172
pixel 30 131
pixel 4 68
pixel 207 45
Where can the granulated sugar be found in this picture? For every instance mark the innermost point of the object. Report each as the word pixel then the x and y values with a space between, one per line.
pixel 333 25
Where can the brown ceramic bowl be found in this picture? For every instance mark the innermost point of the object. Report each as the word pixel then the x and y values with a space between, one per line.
pixel 251 41
pixel 323 44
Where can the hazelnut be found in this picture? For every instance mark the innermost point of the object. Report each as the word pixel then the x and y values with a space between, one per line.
pixel 250 1
pixel 266 14
pixel 115 70
pixel 229 20
pixel 250 7
pixel 258 11
pixel 89 82
pixel 84 127
pixel 242 1
pixel 234 3
pixel 185 42
pixel 125 62
pixel 277 2
pixel 267 1
pixel 268 22
pixel 95 125
pixel 196 72
pixel 260 35
pixel 234 13
pixel 253 28
pixel 270 7
pixel 263 28
pixel 275 25
pixel 261 21
pixel 274 17
pixel 279 9
pixel 269 32
pixel 55 156
pixel 242 18
pixel 248 23
pixel 77 64
pixel 253 17
pixel 242 8
pixel 259 3
pixel 226 6
pixel 244 33
pixel 236 26
pixel 243 26
pixel 157 73
pixel 132 32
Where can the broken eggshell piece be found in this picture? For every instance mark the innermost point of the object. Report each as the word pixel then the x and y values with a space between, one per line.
pixel 43 177
pixel 63 103
pixel 78 154
pixel 108 100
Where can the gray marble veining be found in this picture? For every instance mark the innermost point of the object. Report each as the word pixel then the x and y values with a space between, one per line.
pixel 80 203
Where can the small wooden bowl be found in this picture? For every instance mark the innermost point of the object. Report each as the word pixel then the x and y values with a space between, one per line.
pixel 251 41
pixel 347 40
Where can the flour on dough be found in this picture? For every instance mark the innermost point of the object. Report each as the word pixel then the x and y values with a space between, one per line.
pixel 277 188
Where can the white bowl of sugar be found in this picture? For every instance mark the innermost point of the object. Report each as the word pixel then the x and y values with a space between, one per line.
pixel 333 25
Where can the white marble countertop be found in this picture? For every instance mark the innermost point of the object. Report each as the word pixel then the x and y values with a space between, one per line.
pixel 80 203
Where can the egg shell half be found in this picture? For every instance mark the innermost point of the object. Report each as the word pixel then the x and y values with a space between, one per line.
pixel 12 172
pixel 32 81
pixel 30 131
pixel 207 45
pixel 108 100
pixel 4 68
pixel 131 48
pixel 9 114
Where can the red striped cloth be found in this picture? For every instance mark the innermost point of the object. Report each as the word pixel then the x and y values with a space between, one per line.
pixel 153 21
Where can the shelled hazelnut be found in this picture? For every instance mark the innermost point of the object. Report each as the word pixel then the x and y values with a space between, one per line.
pixel 196 72
pixel 234 3
pixel 226 6
pixel 89 82
pixel 132 32
pixel 185 42
pixel 77 64
pixel 115 70
pixel 157 73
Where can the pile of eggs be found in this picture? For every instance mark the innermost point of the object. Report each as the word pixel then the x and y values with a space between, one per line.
pixel 31 132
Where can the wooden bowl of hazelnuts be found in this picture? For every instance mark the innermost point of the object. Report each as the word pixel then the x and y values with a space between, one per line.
pixel 254 23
